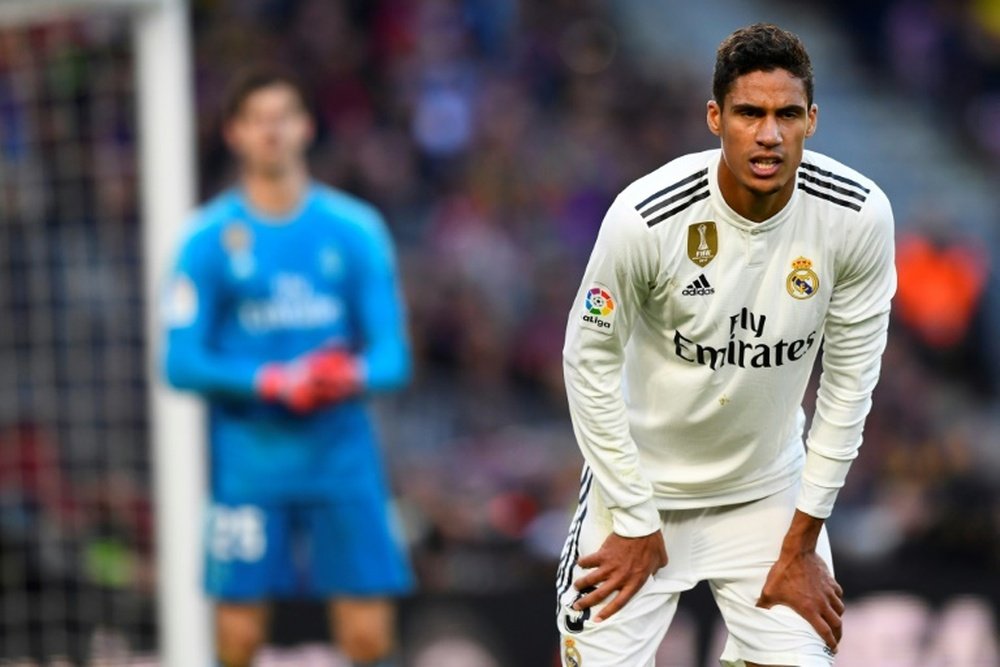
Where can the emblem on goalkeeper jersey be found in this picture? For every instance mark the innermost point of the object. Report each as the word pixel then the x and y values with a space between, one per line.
pixel 180 307
pixel 802 282
pixel 237 238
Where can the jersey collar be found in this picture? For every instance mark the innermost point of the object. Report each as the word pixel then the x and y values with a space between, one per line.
pixel 260 217
pixel 726 213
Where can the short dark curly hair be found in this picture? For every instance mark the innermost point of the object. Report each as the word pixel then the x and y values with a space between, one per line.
pixel 254 77
pixel 760 47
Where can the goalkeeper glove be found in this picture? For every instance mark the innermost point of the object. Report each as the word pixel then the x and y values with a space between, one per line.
pixel 336 375
pixel 310 382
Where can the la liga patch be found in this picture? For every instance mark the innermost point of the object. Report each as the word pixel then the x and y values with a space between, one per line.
pixel 180 308
pixel 599 309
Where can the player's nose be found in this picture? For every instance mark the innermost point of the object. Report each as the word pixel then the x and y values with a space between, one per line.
pixel 768 132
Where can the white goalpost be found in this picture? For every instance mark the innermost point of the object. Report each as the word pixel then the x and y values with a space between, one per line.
pixel 162 81
pixel 166 137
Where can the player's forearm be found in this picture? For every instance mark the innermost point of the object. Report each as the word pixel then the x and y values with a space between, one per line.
pixel 196 370
pixel 851 363
pixel 822 479
pixel 386 361
pixel 852 356
pixel 601 426
pixel 386 366
pixel 802 535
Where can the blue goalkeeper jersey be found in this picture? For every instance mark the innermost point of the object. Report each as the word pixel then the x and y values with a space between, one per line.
pixel 248 290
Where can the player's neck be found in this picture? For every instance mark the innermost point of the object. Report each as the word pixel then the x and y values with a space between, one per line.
pixel 275 195
pixel 748 203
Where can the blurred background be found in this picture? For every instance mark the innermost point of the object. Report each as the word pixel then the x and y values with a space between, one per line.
pixel 493 134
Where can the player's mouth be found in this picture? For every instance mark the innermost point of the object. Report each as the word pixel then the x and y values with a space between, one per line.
pixel 765 167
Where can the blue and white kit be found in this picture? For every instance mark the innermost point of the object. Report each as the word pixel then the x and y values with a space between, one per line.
pixel 299 502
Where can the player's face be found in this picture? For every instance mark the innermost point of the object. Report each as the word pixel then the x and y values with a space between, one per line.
pixel 271 132
pixel 763 125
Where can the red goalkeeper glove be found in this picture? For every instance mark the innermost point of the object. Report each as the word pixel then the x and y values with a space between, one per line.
pixel 288 384
pixel 310 382
pixel 335 374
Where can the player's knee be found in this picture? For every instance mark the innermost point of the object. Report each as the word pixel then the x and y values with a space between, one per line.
pixel 365 643
pixel 238 649
pixel 237 643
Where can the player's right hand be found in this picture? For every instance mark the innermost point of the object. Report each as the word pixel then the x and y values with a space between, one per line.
pixel 622 564
pixel 802 581
pixel 336 374
pixel 317 379
pixel 288 384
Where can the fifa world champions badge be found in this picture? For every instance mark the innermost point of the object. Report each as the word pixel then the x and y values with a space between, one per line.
pixel 802 282
pixel 572 654
pixel 599 309
pixel 703 242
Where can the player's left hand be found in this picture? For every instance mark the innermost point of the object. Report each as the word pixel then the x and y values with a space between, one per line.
pixel 334 375
pixel 622 565
pixel 802 581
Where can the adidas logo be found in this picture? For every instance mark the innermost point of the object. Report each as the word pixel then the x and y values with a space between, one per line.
pixel 699 287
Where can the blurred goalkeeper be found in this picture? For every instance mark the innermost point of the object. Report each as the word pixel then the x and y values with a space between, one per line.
pixel 283 311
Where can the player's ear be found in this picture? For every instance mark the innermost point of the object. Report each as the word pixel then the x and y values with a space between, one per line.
pixel 813 117
pixel 230 135
pixel 310 130
pixel 713 116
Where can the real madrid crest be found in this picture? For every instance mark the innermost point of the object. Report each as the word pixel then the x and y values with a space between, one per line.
pixel 236 237
pixel 571 653
pixel 703 242
pixel 802 282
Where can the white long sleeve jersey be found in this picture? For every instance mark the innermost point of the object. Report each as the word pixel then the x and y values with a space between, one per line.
pixel 693 335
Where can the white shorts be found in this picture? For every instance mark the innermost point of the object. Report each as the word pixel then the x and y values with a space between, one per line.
pixel 732 547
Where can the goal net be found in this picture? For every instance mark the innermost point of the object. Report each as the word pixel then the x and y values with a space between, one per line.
pixel 78 582
pixel 75 533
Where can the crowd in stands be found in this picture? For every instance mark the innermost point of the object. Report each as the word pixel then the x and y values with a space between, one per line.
pixel 933 436
pixel 493 135
pixel 943 55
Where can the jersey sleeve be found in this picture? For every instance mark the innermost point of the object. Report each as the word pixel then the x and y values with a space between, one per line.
pixel 617 281
pixel 855 337
pixel 385 349
pixel 189 310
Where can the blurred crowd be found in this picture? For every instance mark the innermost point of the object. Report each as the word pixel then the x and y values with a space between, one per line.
pixel 493 134
pixel 944 54
pixel 925 493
